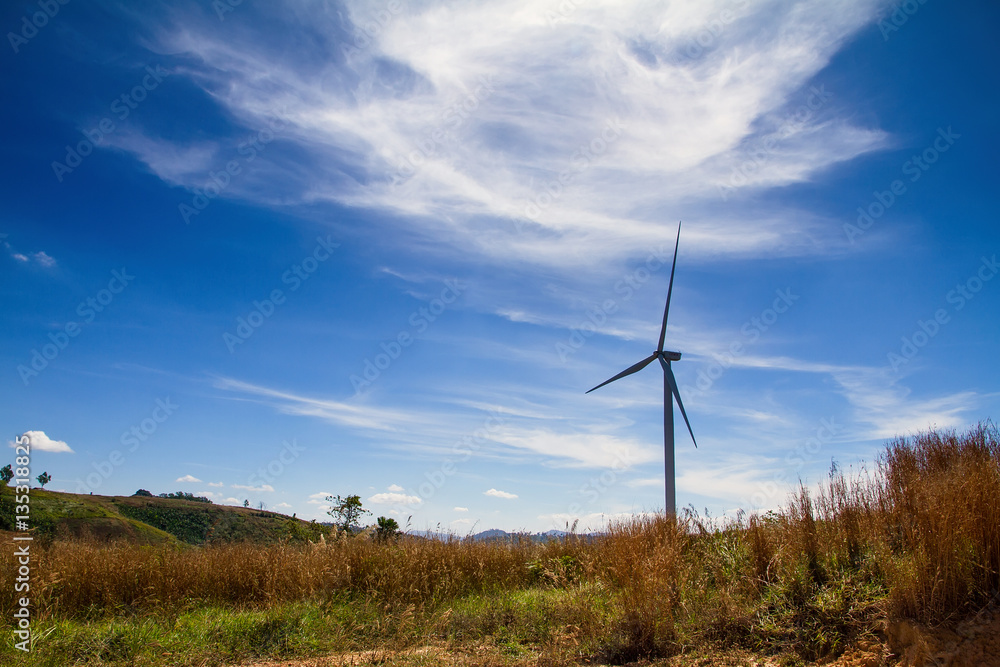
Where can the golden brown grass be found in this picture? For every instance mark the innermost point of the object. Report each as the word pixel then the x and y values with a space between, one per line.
pixel 916 537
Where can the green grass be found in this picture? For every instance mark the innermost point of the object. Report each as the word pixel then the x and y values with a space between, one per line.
pixel 151 520
pixel 919 539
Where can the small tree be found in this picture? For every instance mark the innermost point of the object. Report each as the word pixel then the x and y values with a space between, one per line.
pixel 44 479
pixel 6 474
pixel 246 503
pixel 346 512
pixel 387 528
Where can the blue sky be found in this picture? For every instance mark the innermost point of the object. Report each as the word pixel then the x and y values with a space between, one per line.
pixel 275 251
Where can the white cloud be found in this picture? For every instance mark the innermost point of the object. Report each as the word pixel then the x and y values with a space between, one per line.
pixel 499 494
pixel 189 478
pixel 263 487
pixel 283 506
pixel 41 257
pixel 394 499
pixel 338 412
pixel 690 116
pixel 319 498
pixel 649 481
pixel 232 500
pixel 41 442
pixel 461 509
pixel 216 484
pixel 44 259
pixel 461 522
pixel 396 488
pixel 591 450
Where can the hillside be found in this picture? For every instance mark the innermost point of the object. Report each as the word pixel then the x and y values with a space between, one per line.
pixel 152 520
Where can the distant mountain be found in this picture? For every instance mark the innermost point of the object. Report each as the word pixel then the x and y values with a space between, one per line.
pixel 502 535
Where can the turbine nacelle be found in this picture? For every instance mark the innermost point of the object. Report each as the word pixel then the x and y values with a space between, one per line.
pixel 670 391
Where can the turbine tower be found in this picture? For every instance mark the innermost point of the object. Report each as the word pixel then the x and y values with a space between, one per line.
pixel 670 392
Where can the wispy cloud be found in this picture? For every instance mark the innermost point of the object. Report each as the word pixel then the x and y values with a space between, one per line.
pixel 435 122
pixel 262 488
pixel 189 479
pixel 338 412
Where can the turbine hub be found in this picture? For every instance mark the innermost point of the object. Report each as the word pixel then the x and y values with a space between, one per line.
pixel 671 356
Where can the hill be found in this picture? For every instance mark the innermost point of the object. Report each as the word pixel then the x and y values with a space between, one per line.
pixel 152 520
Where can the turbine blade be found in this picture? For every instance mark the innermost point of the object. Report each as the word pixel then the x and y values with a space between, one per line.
pixel 672 381
pixel 628 371
pixel 670 289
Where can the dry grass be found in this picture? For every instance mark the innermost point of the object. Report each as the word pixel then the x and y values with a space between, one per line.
pixel 917 537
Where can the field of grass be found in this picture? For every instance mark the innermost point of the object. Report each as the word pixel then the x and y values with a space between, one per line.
pixel 918 537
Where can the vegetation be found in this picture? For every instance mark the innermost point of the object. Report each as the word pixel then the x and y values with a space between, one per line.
pixel 183 495
pixel 386 528
pixel 149 519
pixel 6 474
pixel 347 512
pixel 916 538
pixel 44 479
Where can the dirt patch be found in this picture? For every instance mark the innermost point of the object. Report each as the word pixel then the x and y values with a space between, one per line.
pixel 974 642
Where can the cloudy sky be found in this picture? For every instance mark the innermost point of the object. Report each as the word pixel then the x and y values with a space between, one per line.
pixel 271 251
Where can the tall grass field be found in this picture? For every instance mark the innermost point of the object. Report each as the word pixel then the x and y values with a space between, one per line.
pixel 915 537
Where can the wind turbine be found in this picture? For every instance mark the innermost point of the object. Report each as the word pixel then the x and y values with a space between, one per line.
pixel 670 391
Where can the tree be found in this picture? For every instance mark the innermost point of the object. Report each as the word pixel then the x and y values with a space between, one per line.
pixel 6 474
pixel 246 503
pixel 387 528
pixel 44 479
pixel 143 492
pixel 346 512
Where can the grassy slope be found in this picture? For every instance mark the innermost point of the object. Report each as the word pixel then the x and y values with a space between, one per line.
pixel 149 520
pixel 915 541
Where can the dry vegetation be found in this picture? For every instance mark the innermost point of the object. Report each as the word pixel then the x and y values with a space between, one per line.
pixel 918 537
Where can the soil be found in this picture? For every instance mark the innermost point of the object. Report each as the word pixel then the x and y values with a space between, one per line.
pixel 974 642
